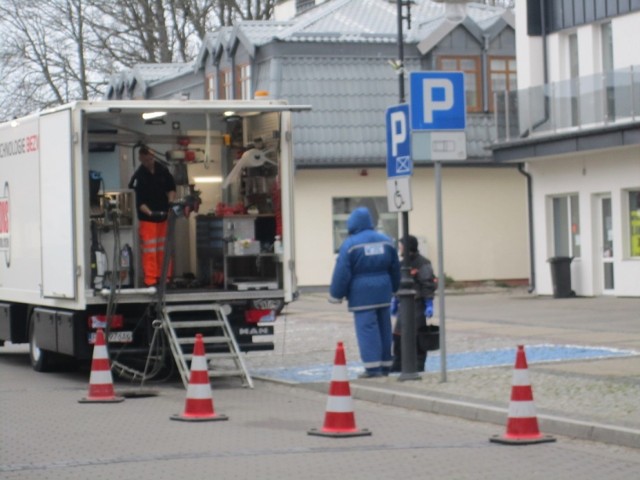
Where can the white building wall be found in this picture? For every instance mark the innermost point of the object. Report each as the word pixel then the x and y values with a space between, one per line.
pixel 590 177
pixel 624 28
pixel 626 35
pixel 484 217
pixel 589 49
pixel 528 51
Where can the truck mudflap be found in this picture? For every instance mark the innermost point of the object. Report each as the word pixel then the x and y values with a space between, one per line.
pixel 249 337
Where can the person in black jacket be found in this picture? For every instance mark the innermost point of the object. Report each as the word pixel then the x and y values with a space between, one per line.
pixel 155 190
pixel 424 282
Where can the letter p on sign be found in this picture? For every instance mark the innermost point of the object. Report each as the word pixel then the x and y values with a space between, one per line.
pixel 398 131
pixel 438 95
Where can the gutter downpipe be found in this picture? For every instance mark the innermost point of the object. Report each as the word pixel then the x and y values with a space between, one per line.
pixel 545 71
pixel 532 254
pixel 545 74
pixel 485 69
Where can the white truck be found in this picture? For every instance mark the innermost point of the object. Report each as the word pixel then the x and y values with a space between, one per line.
pixel 69 247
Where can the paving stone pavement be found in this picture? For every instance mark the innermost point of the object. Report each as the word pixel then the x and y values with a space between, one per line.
pixel 594 399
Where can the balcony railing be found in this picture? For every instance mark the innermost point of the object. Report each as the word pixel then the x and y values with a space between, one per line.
pixel 581 103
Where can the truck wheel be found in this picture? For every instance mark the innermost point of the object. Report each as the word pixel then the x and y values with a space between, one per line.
pixel 41 360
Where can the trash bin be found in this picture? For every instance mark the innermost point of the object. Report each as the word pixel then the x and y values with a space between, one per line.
pixel 561 276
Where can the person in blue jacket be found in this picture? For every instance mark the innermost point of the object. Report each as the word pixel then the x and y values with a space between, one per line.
pixel 367 273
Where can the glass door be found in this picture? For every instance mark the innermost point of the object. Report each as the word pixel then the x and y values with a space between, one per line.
pixel 606 244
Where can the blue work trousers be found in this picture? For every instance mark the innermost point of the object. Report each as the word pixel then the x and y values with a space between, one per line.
pixel 373 330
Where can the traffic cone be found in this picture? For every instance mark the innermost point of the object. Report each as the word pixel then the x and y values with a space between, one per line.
pixel 339 420
pixel 522 424
pixel 100 380
pixel 199 403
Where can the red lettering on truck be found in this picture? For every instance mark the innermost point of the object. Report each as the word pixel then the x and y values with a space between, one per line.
pixel 32 143
pixel 4 216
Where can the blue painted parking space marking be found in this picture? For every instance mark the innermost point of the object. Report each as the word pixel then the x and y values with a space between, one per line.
pixel 457 361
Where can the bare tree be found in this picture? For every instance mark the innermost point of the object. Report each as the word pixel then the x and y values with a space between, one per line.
pixel 163 31
pixel 44 60
pixel 61 50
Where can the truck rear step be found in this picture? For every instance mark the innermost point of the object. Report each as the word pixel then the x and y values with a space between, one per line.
pixel 181 321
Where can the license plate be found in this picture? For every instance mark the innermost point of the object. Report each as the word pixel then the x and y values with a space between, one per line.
pixel 114 337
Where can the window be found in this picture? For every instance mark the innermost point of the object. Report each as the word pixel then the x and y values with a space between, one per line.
pixel 471 68
pixel 607 47
pixel 210 87
pixel 383 220
pixel 566 226
pixel 574 61
pixel 574 73
pixel 302 5
pixel 634 223
pixel 243 82
pixel 607 68
pixel 226 85
pixel 502 76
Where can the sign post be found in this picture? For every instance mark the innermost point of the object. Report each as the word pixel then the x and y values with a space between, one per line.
pixel 399 171
pixel 438 120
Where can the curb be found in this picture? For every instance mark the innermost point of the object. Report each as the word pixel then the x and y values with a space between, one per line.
pixel 583 430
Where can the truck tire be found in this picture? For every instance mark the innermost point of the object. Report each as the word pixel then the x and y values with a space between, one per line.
pixel 41 360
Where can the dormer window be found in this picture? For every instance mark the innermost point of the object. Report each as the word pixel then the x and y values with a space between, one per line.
pixel 470 65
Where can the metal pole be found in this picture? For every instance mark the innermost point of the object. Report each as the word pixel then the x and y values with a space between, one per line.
pixel 400 53
pixel 407 318
pixel 406 293
pixel 441 279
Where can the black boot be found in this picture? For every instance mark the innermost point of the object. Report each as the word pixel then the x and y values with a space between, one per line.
pixel 421 359
pixel 396 366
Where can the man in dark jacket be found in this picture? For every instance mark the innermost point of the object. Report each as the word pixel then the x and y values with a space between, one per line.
pixel 155 189
pixel 424 283
pixel 367 273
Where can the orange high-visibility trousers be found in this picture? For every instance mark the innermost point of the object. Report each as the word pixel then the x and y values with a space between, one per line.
pixel 153 239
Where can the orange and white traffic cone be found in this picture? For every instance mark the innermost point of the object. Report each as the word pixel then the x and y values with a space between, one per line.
pixel 100 380
pixel 522 424
pixel 199 403
pixel 339 420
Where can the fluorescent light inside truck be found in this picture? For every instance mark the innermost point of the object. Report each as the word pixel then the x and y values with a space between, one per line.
pixel 207 179
pixel 152 115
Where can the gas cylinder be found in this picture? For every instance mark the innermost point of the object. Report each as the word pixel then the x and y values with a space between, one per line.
pixel 126 266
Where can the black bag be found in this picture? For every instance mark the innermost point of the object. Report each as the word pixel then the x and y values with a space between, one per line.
pixel 429 338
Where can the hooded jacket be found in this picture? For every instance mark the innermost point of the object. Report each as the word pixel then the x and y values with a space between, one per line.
pixel 367 270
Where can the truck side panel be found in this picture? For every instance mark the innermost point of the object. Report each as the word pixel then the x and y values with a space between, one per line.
pixel 20 251
pixel 56 197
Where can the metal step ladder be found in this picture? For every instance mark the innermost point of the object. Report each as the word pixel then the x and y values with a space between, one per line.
pixel 181 323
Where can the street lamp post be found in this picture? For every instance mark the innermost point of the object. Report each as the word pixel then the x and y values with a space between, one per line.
pixel 406 293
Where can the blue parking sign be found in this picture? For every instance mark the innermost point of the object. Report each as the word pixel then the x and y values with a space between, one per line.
pixel 398 141
pixel 437 101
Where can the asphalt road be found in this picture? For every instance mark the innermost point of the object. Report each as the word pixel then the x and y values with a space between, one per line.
pixel 46 434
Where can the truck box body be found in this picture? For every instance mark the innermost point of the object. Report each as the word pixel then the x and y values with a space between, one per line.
pixel 64 188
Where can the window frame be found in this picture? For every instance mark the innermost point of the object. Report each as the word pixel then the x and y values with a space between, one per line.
pixel 571 233
pixel 210 86
pixel 378 207
pixel 632 223
pixel 243 81
pixel 477 107
pixel 507 73
pixel 226 84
